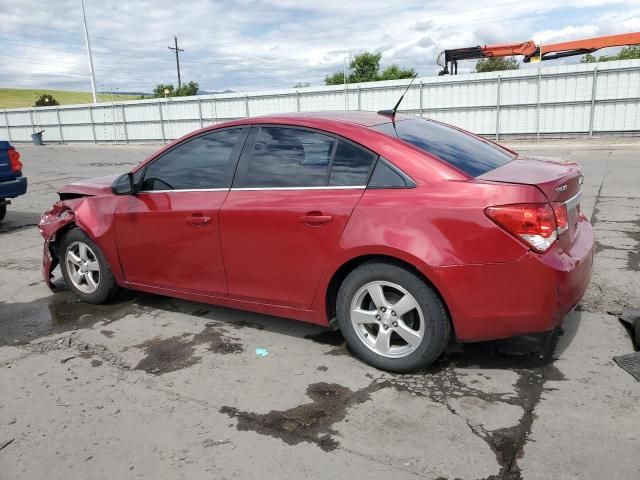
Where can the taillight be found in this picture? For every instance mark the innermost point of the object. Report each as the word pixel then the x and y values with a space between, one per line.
pixel 534 223
pixel 14 158
pixel 562 217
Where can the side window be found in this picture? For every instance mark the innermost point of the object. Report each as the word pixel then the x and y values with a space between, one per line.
pixel 201 163
pixel 385 175
pixel 351 166
pixel 289 157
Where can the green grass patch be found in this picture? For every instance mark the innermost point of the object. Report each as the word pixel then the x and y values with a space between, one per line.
pixel 21 97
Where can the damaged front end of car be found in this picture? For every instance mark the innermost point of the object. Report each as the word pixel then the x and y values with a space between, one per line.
pixel 90 206
pixel 53 224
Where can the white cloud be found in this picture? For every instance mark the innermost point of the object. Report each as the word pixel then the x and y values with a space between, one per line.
pixel 253 44
pixel 567 33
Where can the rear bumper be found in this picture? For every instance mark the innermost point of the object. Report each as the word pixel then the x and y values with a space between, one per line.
pixel 531 295
pixel 13 188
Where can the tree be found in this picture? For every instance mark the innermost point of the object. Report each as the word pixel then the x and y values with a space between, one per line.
pixel 366 68
pixel 158 92
pixel 302 85
pixel 335 79
pixel 627 53
pixel 46 100
pixel 394 72
pixel 496 64
pixel 187 90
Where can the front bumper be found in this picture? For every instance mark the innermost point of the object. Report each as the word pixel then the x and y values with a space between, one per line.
pixel 531 295
pixel 51 223
pixel 13 188
pixel 49 263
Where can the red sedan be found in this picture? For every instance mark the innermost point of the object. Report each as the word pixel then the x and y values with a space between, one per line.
pixel 400 231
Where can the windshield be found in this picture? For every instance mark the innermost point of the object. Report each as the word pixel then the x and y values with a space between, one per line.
pixel 465 152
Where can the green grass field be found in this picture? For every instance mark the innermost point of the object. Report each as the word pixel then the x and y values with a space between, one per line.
pixel 20 97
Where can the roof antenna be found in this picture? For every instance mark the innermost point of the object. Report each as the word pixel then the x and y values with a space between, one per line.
pixel 392 113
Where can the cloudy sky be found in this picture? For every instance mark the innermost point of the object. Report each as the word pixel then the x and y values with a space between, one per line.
pixel 255 44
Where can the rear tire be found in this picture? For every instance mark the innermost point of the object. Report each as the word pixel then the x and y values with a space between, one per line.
pixel 85 270
pixel 391 318
pixel 636 331
pixel 3 211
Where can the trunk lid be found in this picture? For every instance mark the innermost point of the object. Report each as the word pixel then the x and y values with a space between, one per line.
pixel 560 182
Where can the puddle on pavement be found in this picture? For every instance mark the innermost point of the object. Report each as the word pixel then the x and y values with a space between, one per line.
pixel 23 322
pixel 332 338
pixel 309 422
pixel 167 355
pixel 327 337
pixel 175 353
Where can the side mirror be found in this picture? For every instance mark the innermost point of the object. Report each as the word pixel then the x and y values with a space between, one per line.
pixel 124 185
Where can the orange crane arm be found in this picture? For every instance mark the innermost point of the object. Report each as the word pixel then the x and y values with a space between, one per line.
pixel 595 43
pixel 529 49
pixel 509 49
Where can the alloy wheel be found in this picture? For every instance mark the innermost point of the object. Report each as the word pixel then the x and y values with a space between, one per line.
pixel 387 319
pixel 83 267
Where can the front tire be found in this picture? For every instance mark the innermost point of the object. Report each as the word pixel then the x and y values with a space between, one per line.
pixel 391 318
pixel 3 211
pixel 84 268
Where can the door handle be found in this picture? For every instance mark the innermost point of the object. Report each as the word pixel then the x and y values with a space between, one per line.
pixel 315 219
pixel 198 220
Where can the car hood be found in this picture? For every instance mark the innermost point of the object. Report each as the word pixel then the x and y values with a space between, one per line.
pixel 92 186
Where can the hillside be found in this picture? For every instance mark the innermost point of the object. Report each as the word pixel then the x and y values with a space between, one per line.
pixel 19 97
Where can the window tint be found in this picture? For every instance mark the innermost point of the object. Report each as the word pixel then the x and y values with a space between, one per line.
pixel 204 162
pixel 387 176
pixel 469 154
pixel 289 157
pixel 351 165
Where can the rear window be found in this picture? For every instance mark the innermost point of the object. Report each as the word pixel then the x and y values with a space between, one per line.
pixel 467 153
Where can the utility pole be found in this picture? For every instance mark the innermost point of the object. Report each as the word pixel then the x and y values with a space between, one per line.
pixel 177 50
pixel 86 38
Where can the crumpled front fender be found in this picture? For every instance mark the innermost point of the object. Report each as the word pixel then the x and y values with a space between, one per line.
pixel 95 216
pixel 51 222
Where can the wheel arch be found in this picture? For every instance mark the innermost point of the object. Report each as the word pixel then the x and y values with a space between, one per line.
pixel 54 243
pixel 339 274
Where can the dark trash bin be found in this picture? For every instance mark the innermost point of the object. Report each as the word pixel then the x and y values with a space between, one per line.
pixel 37 137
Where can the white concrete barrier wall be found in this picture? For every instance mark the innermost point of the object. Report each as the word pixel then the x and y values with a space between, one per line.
pixel 560 100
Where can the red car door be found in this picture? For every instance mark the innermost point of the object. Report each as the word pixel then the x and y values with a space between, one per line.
pixel 168 233
pixel 291 199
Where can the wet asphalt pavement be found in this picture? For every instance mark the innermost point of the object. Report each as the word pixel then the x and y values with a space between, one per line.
pixel 153 387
